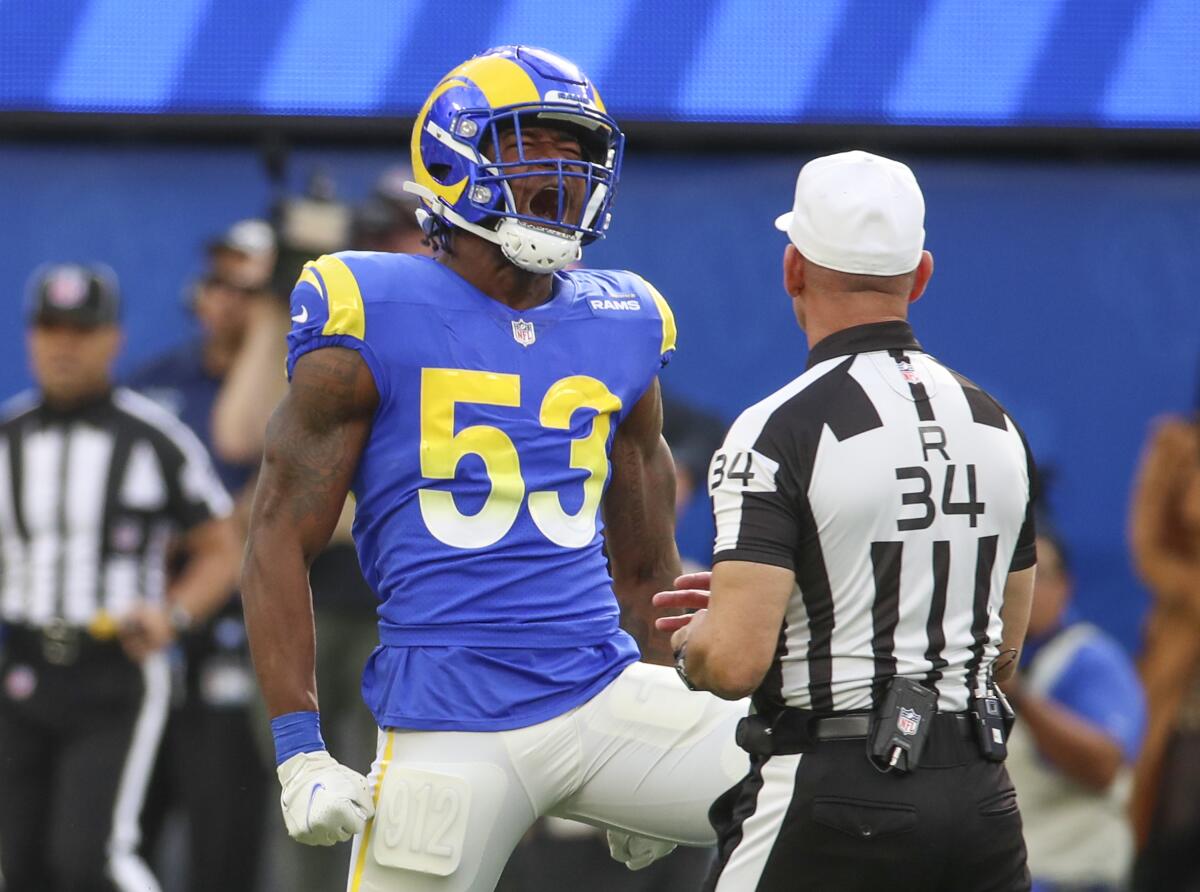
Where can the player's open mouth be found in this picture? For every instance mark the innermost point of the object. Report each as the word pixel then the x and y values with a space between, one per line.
pixel 544 203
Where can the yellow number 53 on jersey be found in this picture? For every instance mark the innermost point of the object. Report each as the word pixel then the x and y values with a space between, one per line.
pixel 442 449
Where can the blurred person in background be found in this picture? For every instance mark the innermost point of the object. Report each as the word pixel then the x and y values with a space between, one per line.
pixel 249 393
pixel 243 257
pixel 96 484
pixel 309 226
pixel 1165 538
pixel 693 435
pixel 210 768
pixel 1080 714
pixel 387 220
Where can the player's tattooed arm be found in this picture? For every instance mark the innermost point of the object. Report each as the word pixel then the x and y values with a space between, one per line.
pixel 314 441
pixel 639 517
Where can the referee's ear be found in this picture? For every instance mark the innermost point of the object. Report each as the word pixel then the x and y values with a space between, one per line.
pixel 793 270
pixel 923 274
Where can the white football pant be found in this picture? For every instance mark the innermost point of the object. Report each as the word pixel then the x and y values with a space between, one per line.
pixel 644 755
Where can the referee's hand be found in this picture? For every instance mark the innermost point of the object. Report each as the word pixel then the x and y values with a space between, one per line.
pixel 146 630
pixel 690 593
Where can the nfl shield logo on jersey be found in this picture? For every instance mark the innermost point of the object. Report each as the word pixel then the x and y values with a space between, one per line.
pixel 523 332
pixel 908 722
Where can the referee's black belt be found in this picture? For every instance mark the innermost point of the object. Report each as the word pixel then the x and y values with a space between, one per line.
pixel 790 730
pixel 854 725
pixel 57 643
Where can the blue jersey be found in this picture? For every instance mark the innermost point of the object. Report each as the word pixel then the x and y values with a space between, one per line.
pixel 1093 678
pixel 478 492
pixel 178 381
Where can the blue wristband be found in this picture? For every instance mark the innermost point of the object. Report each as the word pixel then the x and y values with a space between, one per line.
pixel 296 732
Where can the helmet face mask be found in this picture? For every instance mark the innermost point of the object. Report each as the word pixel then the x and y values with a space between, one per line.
pixel 493 179
pixel 465 180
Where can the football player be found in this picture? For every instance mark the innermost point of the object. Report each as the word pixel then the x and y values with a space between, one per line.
pixel 499 421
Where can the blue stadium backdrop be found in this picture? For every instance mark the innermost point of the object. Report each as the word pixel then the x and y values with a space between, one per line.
pixel 1110 63
pixel 1068 290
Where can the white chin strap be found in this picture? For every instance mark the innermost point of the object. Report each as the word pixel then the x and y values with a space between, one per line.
pixel 536 249
pixel 532 248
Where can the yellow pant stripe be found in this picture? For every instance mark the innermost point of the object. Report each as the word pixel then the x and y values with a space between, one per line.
pixel 361 863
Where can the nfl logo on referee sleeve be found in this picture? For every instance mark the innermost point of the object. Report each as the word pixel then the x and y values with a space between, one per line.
pixel 908 722
pixel 523 332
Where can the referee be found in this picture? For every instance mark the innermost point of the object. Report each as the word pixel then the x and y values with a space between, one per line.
pixel 95 485
pixel 873 574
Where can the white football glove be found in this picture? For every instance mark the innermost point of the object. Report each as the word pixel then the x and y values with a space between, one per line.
pixel 636 852
pixel 323 801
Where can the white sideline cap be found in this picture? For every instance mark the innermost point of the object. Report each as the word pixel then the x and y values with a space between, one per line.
pixel 857 213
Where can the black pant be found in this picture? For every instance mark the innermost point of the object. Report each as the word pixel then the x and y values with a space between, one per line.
pixel 547 863
pixel 210 771
pixel 828 820
pixel 77 744
pixel 210 768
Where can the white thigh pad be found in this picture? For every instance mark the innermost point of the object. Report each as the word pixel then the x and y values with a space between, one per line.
pixel 421 820
pixel 650 704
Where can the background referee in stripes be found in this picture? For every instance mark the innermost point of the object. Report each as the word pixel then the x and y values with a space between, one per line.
pixel 96 486
pixel 874 522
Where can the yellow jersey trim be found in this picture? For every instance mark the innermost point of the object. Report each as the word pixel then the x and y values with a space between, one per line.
pixel 360 863
pixel 668 318
pixel 341 293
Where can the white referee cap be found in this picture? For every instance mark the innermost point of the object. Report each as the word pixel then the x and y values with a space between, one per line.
pixel 857 213
pixel 254 238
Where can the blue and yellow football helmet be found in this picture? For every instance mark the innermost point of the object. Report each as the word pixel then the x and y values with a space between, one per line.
pixel 464 116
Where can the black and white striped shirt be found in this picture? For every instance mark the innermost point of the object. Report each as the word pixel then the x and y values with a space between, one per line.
pixel 901 495
pixel 89 502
